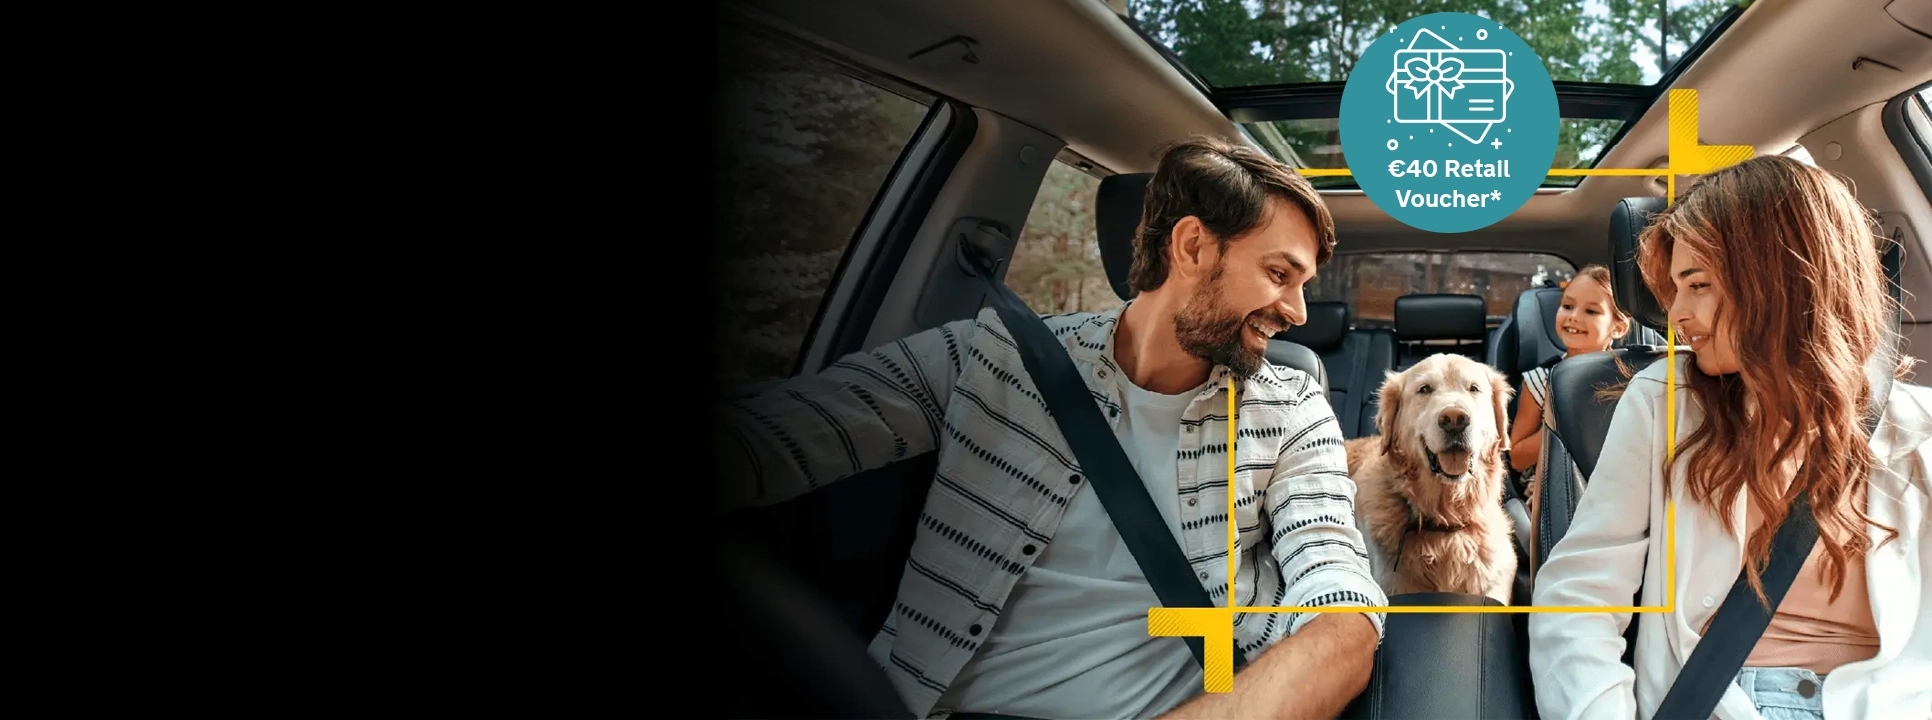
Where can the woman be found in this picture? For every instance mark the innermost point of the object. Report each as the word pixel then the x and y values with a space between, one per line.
pixel 1769 271
pixel 1588 318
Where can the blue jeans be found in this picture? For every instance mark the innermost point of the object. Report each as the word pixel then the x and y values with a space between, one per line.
pixel 1783 693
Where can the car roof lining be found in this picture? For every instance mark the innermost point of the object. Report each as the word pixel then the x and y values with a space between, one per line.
pixel 1095 84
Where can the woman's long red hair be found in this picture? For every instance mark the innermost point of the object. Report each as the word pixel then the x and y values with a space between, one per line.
pixel 1792 254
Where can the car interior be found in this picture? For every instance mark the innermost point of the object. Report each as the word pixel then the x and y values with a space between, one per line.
pixel 982 113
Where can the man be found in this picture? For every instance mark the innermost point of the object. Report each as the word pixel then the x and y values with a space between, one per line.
pixel 1020 598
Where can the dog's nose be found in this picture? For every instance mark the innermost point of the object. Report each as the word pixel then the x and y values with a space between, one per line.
pixel 1453 420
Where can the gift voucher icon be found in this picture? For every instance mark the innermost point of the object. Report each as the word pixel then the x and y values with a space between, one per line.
pixel 1437 83
pixel 1449 122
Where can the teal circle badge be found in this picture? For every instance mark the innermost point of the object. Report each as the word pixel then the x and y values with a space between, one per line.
pixel 1449 123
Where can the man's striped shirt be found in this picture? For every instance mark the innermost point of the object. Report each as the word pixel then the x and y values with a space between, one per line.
pixel 1005 477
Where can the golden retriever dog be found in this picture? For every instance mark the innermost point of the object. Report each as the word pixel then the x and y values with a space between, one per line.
pixel 1429 488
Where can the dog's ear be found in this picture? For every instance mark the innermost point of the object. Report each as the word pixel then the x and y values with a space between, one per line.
pixel 1500 392
pixel 1387 407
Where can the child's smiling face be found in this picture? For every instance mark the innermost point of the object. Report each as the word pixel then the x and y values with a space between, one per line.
pixel 1588 317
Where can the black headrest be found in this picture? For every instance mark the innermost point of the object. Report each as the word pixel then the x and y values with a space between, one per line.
pixel 1116 216
pixel 1627 223
pixel 1440 317
pixel 1327 324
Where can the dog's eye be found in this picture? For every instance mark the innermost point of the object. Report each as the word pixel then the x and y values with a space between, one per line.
pixel 1424 390
pixel 1473 388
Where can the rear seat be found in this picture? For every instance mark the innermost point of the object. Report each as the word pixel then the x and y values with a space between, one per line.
pixel 1293 355
pixel 1528 338
pixel 1323 333
pixel 1533 338
pixel 1429 318
pixel 1355 361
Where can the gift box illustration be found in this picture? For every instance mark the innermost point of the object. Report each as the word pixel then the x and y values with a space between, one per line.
pixel 1437 82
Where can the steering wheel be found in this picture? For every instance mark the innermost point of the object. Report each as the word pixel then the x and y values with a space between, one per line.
pixel 807 660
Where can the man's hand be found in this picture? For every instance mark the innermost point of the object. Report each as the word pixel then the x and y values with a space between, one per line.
pixel 1311 674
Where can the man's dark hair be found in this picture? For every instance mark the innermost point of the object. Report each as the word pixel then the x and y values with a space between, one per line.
pixel 1226 185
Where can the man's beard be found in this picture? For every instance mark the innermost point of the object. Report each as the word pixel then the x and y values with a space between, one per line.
pixel 1208 329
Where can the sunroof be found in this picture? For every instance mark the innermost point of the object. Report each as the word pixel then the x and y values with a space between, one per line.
pixel 1277 67
pixel 1316 143
pixel 1249 43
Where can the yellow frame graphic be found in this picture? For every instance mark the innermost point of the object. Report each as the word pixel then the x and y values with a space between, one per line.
pixel 1687 156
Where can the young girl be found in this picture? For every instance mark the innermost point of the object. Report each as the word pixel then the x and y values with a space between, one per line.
pixel 1770 272
pixel 1589 321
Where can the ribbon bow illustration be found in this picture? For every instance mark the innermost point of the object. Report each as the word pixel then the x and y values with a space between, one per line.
pixel 1443 75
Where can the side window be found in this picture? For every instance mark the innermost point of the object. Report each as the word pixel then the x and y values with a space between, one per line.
pixel 1056 264
pixel 805 145
pixel 1370 282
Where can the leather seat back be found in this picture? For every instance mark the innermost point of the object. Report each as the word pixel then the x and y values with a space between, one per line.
pixel 1355 361
pixel 1423 318
pixel 1627 222
pixel 1326 334
pixel 1582 418
pixel 1505 333
pixel 1585 419
pixel 1288 354
pixel 1447 665
pixel 1537 338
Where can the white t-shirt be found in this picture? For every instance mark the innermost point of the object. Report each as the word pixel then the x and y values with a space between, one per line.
pixel 1072 640
pixel 1536 382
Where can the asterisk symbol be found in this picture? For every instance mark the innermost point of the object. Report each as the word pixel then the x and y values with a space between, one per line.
pixel 1495 194
pixel 1497 143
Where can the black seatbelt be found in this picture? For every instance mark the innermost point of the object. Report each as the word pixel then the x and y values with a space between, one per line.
pixel 1556 497
pixel 1712 667
pixel 1104 462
